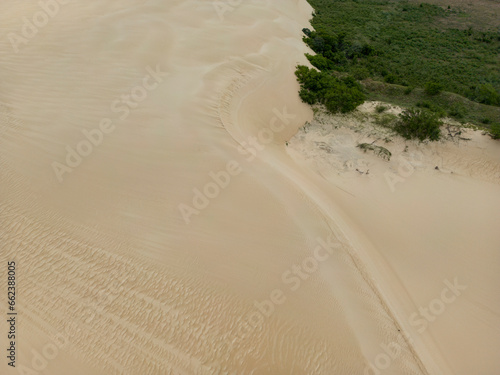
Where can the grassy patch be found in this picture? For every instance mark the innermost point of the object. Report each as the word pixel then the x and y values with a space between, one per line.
pixel 386 120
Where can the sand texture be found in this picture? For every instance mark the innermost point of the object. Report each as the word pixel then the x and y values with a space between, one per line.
pixel 153 235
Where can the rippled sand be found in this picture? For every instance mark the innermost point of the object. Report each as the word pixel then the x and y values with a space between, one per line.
pixel 116 275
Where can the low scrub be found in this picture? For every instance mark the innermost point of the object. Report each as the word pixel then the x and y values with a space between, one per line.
pixel 433 88
pixel 495 131
pixel 419 124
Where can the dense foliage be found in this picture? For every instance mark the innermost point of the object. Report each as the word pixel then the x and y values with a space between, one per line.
pixel 405 43
pixel 407 53
pixel 419 124
pixel 433 88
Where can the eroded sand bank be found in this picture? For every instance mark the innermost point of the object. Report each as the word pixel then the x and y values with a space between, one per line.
pixel 109 269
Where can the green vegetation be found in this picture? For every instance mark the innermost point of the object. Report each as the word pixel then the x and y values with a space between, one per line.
pixel 495 131
pixel 446 103
pixel 420 124
pixel 386 120
pixel 433 88
pixel 337 94
pixel 409 44
pixel 403 52
pixel 486 94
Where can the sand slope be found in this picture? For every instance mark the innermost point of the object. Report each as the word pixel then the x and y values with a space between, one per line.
pixel 111 273
pixel 428 216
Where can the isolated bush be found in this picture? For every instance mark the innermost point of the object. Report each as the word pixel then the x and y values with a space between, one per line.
pixel 420 124
pixel 433 88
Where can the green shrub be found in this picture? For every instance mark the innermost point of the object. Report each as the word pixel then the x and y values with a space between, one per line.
pixel 408 90
pixel 457 112
pixel 338 95
pixel 432 107
pixel 360 73
pixel 486 94
pixel 308 96
pixel 433 88
pixel 313 84
pixel 390 78
pixel 420 124
pixel 320 62
pixel 386 120
pixel 380 108
pixel 424 104
pixel 495 131
pixel 345 96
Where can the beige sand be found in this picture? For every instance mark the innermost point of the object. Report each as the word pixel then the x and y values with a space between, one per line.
pixel 111 278
pixel 421 226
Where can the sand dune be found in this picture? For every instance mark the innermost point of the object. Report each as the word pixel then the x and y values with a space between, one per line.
pixel 428 217
pixel 153 235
